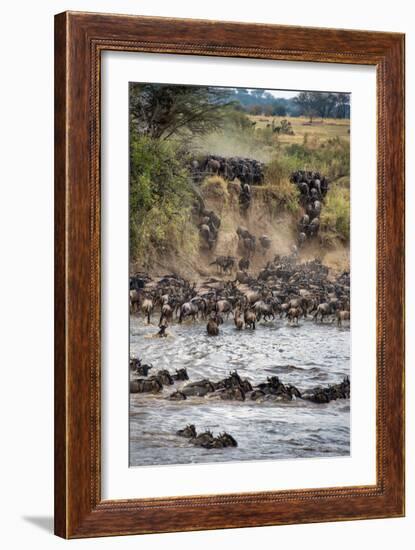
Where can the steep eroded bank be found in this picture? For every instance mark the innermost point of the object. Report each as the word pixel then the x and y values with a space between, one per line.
pixel 264 216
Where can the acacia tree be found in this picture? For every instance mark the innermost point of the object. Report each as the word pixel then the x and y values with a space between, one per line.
pixel 342 105
pixel 323 104
pixel 307 101
pixel 160 111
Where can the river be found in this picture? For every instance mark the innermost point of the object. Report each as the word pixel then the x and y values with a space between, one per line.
pixel 306 356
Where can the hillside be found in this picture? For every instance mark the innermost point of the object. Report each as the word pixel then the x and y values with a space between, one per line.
pixel 263 217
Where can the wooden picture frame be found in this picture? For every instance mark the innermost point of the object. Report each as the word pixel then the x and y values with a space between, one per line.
pixel 79 40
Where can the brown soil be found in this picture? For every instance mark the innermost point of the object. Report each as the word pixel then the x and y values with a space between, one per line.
pixel 281 228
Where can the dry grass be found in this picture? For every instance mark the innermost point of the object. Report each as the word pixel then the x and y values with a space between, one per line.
pixel 319 130
pixel 215 187
pixel 335 216
pixel 278 196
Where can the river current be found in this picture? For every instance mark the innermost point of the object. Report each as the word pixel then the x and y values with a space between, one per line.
pixel 306 356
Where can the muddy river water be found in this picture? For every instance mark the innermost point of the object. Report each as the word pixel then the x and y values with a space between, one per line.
pixel 307 356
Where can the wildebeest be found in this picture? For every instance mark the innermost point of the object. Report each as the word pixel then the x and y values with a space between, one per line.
pixel 207 235
pixel 266 310
pixel 230 394
pixel 252 296
pixel 323 310
pixel 177 396
pixel 342 315
pixel 224 263
pixel 142 385
pixel 203 440
pixel 188 309
pixel 135 298
pixel 189 431
pixel 213 166
pixel 249 318
pixel 246 170
pixel 223 306
pixel 300 303
pixel 199 388
pixel 293 314
pixel 265 242
pixel 212 326
pixel 239 323
pixel 314 227
pixel 302 237
pixel 313 188
pixel 246 240
pixel 162 331
pixel 137 366
pixel 226 440
pixel 164 377
pixel 329 393
pixel 242 277
pixel 243 264
pixel 166 314
pixel 181 374
pixel 147 306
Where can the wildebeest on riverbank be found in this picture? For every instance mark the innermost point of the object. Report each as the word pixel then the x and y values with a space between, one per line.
pixel 247 170
pixel 284 288
pixel 313 187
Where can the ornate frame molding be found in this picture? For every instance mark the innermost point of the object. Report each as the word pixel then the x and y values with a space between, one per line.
pixel 79 40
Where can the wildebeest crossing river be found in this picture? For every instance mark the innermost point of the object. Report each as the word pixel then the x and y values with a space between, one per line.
pixel 309 355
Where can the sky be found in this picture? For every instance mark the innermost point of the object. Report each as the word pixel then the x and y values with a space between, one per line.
pixel 283 93
pixel 287 94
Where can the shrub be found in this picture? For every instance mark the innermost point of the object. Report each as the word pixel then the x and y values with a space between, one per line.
pixel 331 157
pixel 335 215
pixel 278 190
pixel 160 200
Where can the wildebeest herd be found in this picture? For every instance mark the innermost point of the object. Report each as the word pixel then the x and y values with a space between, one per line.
pixel 285 287
pixel 231 388
pixel 206 439
pixel 209 225
pixel 248 244
pixel 246 170
pixel 313 187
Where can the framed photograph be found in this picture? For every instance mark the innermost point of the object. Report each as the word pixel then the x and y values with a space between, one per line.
pixel 229 275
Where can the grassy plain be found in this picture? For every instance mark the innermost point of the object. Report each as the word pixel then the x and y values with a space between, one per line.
pixel 320 129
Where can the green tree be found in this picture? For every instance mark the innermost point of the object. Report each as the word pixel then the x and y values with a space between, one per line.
pixel 161 111
pixel 308 104
pixel 342 105
pixel 279 110
pixel 255 109
pixel 323 104
pixel 160 198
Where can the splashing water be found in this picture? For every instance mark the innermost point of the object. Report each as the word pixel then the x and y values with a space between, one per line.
pixel 306 356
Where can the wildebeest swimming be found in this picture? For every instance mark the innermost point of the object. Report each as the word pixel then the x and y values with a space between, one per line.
pixel 235 388
pixel 206 438
pixel 286 290
pixel 212 326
